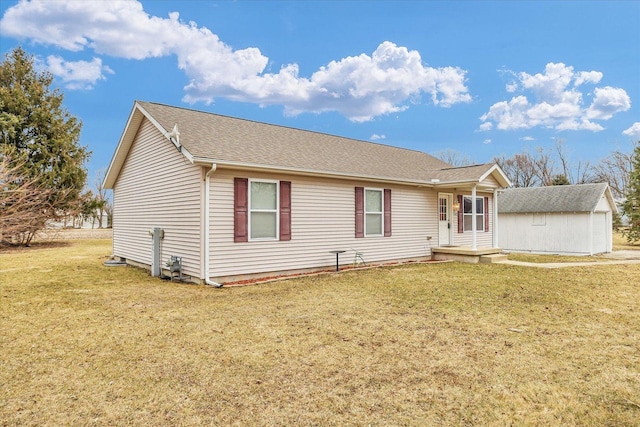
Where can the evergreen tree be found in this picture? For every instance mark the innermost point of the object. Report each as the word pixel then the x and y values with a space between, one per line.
pixel 38 133
pixel 631 206
pixel 560 180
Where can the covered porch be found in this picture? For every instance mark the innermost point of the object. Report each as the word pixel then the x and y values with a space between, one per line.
pixel 467 214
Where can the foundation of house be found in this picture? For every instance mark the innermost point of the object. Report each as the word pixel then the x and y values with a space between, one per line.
pixel 467 254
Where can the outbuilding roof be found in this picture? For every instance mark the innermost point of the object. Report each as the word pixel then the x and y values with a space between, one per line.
pixel 206 138
pixel 557 198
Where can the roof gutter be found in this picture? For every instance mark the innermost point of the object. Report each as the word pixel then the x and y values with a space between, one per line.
pixel 207 227
pixel 307 172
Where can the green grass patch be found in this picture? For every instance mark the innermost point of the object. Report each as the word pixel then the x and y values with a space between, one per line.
pixel 428 344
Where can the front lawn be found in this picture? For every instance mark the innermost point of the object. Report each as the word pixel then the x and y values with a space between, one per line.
pixel 428 344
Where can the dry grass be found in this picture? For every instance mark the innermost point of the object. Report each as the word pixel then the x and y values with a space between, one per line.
pixel 431 344
pixel 620 243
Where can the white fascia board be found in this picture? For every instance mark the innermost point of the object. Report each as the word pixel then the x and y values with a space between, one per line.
pixel 495 168
pixel 126 140
pixel 612 202
pixel 122 149
pixel 167 135
pixel 306 172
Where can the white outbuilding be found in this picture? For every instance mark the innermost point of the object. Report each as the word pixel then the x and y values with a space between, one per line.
pixel 561 219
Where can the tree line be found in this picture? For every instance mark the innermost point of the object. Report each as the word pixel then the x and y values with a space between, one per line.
pixel 545 167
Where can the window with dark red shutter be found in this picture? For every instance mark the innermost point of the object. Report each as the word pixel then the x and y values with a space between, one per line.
pixel 460 215
pixel 359 211
pixel 486 214
pixel 285 210
pixel 240 209
pixel 387 212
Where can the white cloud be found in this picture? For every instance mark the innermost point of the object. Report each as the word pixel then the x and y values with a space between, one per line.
pixel 608 101
pixel 359 87
pixel 551 85
pixel 508 115
pixel 376 137
pixel 633 131
pixel 486 126
pixel 552 100
pixel 527 138
pixel 588 77
pixel 79 74
pixel 512 87
pixel 486 141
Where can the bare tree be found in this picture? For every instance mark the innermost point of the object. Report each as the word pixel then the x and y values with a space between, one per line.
pixel 453 157
pixel 582 173
pixel 615 169
pixel 545 167
pixel 103 202
pixel 25 205
pixel 520 168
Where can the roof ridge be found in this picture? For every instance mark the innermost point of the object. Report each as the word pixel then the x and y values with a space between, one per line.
pixel 467 166
pixel 538 187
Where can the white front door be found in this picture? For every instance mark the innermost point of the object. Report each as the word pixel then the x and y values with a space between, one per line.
pixel 444 218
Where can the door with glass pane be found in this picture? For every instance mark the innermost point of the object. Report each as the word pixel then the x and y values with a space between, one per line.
pixel 444 219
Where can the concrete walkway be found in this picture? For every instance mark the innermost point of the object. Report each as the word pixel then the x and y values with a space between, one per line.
pixel 617 257
pixel 551 265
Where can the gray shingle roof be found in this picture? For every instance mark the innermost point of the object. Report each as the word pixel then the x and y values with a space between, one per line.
pixel 462 173
pixel 223 139
pixel 558 198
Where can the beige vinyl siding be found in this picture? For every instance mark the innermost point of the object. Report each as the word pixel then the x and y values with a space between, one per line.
pixel 323 219
pixel 484 239
pixel 491 181
pixel 157 187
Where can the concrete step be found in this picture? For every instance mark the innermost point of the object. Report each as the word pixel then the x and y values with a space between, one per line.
pixel 493 258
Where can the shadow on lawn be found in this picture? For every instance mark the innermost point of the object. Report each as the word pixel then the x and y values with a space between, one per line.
pixel 7 247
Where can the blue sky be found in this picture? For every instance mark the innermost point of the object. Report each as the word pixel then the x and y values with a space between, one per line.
pixel 482 78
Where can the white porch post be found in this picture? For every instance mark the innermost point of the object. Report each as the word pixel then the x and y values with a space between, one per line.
pixel 495 219
pixel 474 241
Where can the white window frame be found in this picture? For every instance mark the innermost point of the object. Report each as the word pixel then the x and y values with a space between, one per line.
pixel 276 211
pixel 478 214
pixel 367 213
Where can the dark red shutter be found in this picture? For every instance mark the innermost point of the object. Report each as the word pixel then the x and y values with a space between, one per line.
pixel 486 214
pixel 460 216
pixel 387 212
pixel 359 211
pixel 240 209
pixel 285 210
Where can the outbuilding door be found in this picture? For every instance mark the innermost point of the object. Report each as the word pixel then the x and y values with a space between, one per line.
pixel 445 201
pixel 600 233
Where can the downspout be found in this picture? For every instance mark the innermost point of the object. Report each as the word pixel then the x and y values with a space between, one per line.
pixel 207 227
